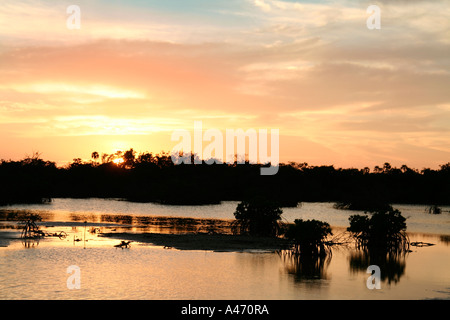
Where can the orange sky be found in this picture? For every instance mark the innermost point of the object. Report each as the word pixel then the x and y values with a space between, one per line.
pixel 339 93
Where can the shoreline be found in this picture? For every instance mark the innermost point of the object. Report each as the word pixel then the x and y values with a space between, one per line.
pixel 215 242
pixel 203 241
pixel 190 239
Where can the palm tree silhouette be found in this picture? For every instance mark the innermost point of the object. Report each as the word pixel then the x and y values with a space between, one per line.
pixel 95 156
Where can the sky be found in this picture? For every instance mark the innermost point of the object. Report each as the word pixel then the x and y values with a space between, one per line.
pixel 340 93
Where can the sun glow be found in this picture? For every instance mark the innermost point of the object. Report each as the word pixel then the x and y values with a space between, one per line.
pixel 118 161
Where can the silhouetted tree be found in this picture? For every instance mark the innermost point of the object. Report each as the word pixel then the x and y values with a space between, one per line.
pixel 95 156
pixel 387 167
pixel 145 158
pixel 257 217
pixel 30 229
pixel 309 237
pixel 434 209
pixel 76 162
pixel 129 159
pixel 384 229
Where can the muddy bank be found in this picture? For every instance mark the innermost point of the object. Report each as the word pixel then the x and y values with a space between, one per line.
pixel 204 241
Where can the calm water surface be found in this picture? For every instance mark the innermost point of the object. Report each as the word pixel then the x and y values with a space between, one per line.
pixel 37 270
pixel 69 209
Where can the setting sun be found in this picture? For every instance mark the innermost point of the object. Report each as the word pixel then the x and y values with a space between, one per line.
pixel 118 161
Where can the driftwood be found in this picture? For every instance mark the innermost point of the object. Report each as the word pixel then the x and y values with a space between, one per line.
pixel 61 235
pixel 31 230
pixel 123 244
pixel 421 244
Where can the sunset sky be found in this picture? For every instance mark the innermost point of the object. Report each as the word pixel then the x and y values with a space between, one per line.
pixel 338 92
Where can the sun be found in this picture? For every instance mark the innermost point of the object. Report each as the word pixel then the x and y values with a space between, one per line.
pixel 118 161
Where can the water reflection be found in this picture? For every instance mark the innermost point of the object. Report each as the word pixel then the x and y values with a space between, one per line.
pixel 30 243
pixel 135 223
pixel 122 219
pixel 306 267
pixel 392 264
pixel 77 217
pixel 22 215
pixel 166 224
pixel 445 239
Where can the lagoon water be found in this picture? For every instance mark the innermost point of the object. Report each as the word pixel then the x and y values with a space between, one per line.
pixel 38 270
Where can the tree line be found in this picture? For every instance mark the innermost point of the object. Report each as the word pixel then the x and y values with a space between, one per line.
pixel 149 177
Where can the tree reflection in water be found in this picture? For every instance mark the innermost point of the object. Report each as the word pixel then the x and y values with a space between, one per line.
pixel 306 267
pixel 30 243
pixel 392 264
pixel 445 239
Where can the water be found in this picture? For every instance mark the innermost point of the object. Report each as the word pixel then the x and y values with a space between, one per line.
pixel 37 270
pixel 70 209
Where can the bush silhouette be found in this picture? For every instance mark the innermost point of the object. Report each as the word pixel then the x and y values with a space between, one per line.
pixel 384 229
pixel 309 237
pixel 434 209
pixel 257 217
